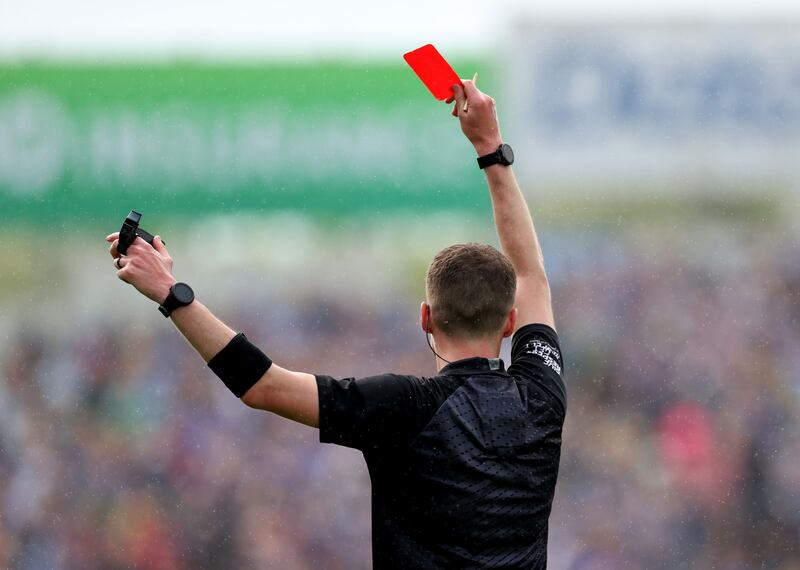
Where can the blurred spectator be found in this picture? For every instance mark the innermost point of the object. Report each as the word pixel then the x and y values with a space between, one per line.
pixel 681 449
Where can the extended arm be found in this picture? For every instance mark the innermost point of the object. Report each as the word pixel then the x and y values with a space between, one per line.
pixel 511 214
pixel 290 394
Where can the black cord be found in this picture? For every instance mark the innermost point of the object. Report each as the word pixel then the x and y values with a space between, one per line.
pixel 428 338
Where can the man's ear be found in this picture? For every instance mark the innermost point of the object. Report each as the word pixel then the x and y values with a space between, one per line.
pixel 425 317
pixel 511 323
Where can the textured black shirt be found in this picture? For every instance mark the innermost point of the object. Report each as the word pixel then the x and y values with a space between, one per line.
pixel 463 465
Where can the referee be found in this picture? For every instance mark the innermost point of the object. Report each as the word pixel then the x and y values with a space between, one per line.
pixel 463 464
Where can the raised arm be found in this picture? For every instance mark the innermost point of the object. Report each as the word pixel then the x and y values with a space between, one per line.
pixel 511 214
pixel 287 393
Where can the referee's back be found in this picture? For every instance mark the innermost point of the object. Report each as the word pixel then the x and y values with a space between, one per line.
pixel 463 465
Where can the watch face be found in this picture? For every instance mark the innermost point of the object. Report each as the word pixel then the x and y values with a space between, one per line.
pixel 507 154
pixel 183 293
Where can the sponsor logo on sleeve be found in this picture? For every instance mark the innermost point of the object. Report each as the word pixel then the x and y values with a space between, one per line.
pixel 544 350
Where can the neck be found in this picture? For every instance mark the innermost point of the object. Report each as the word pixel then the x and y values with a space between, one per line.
pixel 452 350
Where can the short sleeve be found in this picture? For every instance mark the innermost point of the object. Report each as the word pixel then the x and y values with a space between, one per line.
pixel 377 412
pixel 536 356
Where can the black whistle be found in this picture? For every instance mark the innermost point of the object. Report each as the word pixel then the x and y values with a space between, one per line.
pixel 130 230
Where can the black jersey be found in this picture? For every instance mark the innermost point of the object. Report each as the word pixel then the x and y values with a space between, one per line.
pixel 464 464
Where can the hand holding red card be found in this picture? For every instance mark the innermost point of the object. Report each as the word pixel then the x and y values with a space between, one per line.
pixel 433 70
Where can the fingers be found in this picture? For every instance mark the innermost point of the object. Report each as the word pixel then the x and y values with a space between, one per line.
pixel 113 249
pixel 470 90
pixel 139 245
pixel 124 267
pixel 121 265
pixel 471 96
pixel 124 275
pixel 460 98
pixel 160 247
pixel 135 246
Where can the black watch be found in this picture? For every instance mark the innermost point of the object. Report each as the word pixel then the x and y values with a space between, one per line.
pixel 180 295
pixel 503 155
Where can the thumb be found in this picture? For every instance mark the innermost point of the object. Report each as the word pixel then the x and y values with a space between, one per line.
pixel 458 93
pixel 470 90
pixel 159 246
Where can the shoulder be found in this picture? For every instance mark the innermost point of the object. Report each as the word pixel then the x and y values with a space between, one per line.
pixel 362 394
pixel 536 355
pixel 541 341
pixel 361 412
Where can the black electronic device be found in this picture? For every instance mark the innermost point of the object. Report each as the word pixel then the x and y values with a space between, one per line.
pixel 503 155
pixel 180 295
pixel 130 230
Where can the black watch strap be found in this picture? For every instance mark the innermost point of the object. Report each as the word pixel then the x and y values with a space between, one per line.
pixel 503 155
pixel 176 298
pixel 169 305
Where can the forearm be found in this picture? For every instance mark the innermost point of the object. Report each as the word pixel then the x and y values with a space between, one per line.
pixel 514 222
pixel 205 332
pixel 290 394
pixel 244 369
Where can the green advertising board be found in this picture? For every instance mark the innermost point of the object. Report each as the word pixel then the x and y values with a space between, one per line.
pixel 92 141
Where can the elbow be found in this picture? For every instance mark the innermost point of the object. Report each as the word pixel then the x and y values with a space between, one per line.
pixel 251 399
pixel 259 395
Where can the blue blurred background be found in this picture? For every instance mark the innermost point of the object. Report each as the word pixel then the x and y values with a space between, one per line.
pixel 303 178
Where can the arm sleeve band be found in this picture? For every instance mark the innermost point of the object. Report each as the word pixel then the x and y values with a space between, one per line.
pixel 240 364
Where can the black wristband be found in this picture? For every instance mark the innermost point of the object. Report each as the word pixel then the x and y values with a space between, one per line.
pixel 240 364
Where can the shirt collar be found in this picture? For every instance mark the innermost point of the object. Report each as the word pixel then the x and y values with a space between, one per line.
pixel 473 365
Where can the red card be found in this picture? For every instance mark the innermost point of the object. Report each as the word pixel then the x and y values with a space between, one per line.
pixel 433 70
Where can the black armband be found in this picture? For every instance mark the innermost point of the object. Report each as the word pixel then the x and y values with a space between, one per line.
pixel 240 364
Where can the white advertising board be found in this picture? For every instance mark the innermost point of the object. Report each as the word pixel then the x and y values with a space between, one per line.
pixel 656 106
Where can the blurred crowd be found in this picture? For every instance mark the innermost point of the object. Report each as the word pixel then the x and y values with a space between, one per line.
pixel 119 449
